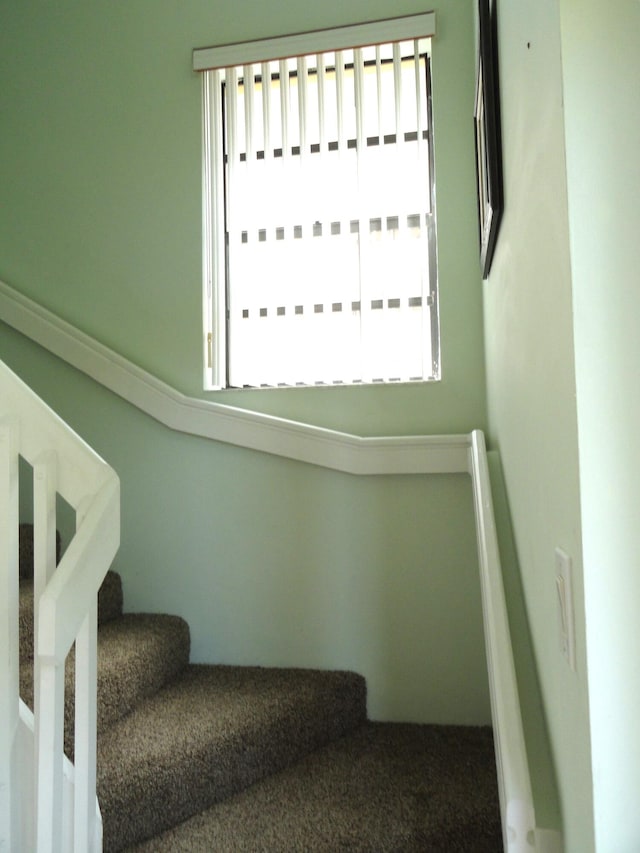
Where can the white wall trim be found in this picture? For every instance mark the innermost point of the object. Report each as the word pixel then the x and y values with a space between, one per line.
pixel 352 454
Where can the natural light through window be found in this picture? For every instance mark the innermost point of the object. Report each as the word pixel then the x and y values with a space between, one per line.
pixel 320 252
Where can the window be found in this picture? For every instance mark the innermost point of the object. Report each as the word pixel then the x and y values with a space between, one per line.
pixel 319 220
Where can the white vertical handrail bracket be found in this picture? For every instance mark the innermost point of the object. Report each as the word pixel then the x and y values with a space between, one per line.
pixel 50 758
pixel 49 707
pixel 85 813
pixel 44 513
pixel 10 837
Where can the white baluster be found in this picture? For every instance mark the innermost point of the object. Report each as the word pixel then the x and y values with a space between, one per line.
pixel 49 757
pixel 85 722
pixel 48 674
pixel 9 760
pixel 85 732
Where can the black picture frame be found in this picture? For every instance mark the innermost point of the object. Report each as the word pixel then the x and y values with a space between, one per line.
pixel 487 136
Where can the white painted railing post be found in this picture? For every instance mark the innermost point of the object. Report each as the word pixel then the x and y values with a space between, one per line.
pixel 9 684
pixel 49 709
pixel 85 734
pixel 49 758
pixel 44 519
pixel 86 692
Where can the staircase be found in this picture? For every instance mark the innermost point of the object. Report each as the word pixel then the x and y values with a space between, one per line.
pixel 229 758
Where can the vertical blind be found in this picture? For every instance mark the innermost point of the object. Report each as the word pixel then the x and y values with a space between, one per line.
pixel 330 244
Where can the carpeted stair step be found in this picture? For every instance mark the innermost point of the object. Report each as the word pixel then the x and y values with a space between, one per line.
pixel 109 594
pixel 199 758
pixel 109 608
pixel 386 787
pixel 110 598
pixel 137 654
pixel 209 734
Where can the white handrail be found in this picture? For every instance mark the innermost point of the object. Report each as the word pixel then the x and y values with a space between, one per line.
pixel 516 797
pixel 51 807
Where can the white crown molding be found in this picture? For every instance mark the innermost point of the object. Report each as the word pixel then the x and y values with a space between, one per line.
pixel 339 451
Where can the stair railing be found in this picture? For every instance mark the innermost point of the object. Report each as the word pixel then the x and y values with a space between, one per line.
pixel 514 782
pixel 37 810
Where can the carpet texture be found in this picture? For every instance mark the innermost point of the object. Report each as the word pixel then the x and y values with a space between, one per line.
pixel 224 758
pixel 386 787
pixel 211 733
pixel 137 654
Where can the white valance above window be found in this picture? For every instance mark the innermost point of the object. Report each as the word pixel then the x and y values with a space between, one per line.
pixel 302 44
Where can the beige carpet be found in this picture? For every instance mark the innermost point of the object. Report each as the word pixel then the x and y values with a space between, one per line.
pixel 383 788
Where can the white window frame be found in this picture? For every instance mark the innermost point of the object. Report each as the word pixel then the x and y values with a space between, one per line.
pixel 209 58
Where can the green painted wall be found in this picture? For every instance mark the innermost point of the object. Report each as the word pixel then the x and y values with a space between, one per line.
pixel 603 138
pixel 531 380
pixel 270 561
pixel 100 168
pixel 280 563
